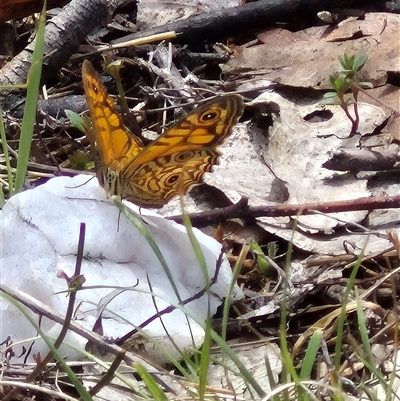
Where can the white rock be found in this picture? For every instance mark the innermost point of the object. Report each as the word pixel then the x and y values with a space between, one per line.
pixel 40 231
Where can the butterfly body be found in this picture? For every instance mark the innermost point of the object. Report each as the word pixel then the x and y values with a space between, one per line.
pixel 170 165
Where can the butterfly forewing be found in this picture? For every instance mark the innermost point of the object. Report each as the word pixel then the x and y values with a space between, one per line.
pixel 115 144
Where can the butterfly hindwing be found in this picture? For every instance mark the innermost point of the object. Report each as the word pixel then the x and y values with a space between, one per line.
pixel 205 126
pixel 169 175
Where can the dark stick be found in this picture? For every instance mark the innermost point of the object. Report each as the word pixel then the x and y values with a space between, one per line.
pixel 231 21
pixel 242 210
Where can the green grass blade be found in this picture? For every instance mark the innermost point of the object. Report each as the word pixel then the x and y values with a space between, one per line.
pixel 246 375
pixel 236 270
pixel 155 390
pixel 369 358
pixel 206 348
pixel 342 316
pixel 196 248
pixel 28 121
pixel 311 354
pixel 137 222
pixel 7 159
pixel 205 357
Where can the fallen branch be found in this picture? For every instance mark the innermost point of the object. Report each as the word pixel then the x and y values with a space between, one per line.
pixel 225 22
pixel 244 211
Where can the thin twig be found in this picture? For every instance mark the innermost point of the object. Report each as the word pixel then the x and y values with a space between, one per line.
pixel 171 308
pixel 70 309
pixel 109 375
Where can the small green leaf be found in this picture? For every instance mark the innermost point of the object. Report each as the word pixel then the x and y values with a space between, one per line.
pixel 114 68
pixel 366 84
pixel 272 249
pixel 347 62
pixel 340 85
pixel 80 161
pixel 359 62
pixel 262 262
pixel 332 79
pixel 329 95
pixel 330 101
pixel 76 119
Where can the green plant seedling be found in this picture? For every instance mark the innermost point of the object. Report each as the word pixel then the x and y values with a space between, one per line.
pixel 345 81
pixel 263 261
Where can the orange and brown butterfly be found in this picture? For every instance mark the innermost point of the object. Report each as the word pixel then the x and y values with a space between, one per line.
pixel 170 165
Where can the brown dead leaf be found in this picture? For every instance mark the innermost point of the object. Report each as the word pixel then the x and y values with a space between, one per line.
pixel 355 28
pixel 388 99
pixel 307 58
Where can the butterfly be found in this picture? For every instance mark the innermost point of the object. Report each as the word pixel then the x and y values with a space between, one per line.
pixel 168 166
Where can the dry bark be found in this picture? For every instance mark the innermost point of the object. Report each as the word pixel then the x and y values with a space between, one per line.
pixel 64 35
pixel 10 9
